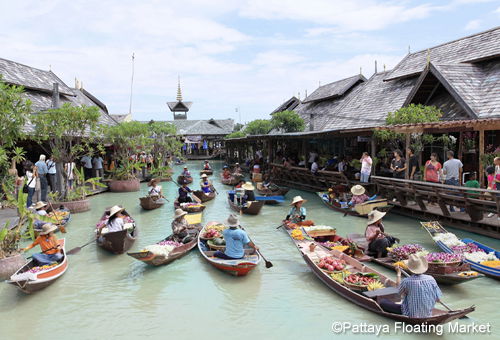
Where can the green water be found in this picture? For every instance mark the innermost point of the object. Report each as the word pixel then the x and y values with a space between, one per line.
pixel 114 296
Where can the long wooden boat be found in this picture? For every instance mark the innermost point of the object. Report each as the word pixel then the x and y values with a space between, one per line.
pixel 239 267
pixel 379 204
pixel 30 282
pixel 435 227
pixel 153 259
pixel 204 198
pixel 117 242
pixel 207 172
pixel 368 300
pixel 61 220
pixel 253 207
pixel 190 209
pixel 229 181
pixel 148 203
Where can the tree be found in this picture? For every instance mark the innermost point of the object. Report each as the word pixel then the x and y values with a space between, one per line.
pixel 258 127
pixel 67 133
pixel 287 121
pixel 236 134
pixel 165 143
pixel 14 113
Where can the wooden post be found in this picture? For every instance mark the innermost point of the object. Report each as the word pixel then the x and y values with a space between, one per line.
pixel 373 147
pixel 460 143
pixel 407 145
pixel 481 152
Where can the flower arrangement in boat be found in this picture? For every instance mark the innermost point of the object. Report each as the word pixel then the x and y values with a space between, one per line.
pixel 331 264
pixel 473 253
pixel 42 268
pixel 449 239
pixel 403 252
pixel 444 258
pixel 297 234
pixel 191 205
pixel 175 244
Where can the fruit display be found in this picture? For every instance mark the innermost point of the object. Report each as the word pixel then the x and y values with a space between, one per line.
pixel 443 258
pixel 297 234
pixel 331 264
pixel 329 244
pixel 339 276
pixel 375 285
pixel 42 268
pixel 494 264
pixel 403 252
pixel 400 264
pixel 469 273
pixel 361 279
pixel 211 233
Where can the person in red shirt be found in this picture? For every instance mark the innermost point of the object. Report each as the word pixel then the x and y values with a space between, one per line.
pixel 432 169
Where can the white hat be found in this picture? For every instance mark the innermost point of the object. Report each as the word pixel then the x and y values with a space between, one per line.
pixel 40 205
pixel 115 210
pixel 179 213
pixel 374 216
pixel 204 176
pixel 47 228
pixel 358 190
pixel 248 186
pixel 232 221
pixel 417 264
pixel 297 199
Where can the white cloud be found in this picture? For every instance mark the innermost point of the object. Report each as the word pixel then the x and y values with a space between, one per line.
pixel 473 25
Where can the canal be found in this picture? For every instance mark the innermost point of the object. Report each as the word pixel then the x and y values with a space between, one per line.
pixel 110 296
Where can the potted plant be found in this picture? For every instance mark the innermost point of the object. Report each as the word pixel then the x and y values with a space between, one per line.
pixel 123 177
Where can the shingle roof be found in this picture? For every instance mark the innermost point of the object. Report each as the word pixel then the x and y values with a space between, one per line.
pixel 203 127
pixel 179 106
pixel 289 105
pixel 335 89
pixel 31 78
pixel 472 48
pixel 83 97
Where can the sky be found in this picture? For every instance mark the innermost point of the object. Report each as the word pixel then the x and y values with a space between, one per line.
pixel 235 59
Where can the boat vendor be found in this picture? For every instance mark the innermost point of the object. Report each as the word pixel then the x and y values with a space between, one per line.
pixel 239 184
pixel 420 292
pixel 116 220
pixel 184 193
pixel 41 210
pixel 186 172
pixel 237 169
pixel 180 225
pixel 358 195
pixel 205 184
pixel 298 213
pixel 249 195
pixel 226 174
pixel 236 239
pixel 207 166
pixel 378 240
pixel 47 241
pixel 155 190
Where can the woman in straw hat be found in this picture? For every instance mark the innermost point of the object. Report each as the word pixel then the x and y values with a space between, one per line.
pixel 420 292
pixel 378 240
pixel 47 241
pixel 205 184
pixel 155 190
pixel 249 195
pixel 236 239
pixel 180 225
pixel 41 210
pixel 298 213
pixel 358 195
pixel 115 221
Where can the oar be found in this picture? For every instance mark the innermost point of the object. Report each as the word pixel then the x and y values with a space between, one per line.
pixel 44 251
pixel 61 227
pixel 77 249
pixel 192 196
pixel 269 264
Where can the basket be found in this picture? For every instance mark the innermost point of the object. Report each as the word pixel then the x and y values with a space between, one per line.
pixel 212 246
pixel 359 288
pixel 435 268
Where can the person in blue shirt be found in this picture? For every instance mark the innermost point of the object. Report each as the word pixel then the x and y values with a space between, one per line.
pixel 184 192
pixel 236 240
pixel 42 172
pixel 205 184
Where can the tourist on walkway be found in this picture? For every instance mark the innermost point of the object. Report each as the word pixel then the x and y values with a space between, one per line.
pixel 298 213
pixel 378 240
pixel 358 195
pixel 42 176
pixel 452 170
pixel 69 169
pixel 366 167
pixel 420 292
pixel 97 165
pixel 184 193
pixel 432 169
pixel 155 190
pixel 51 173
pixel 313 155
pixel 180 225
pixel 205 184
pixel 490 176
pixel 472 183
pixel 31 175
pixel 398 165
pixel 236 239
pixel 314 167
pixel 47 241
pixel 341 167
pixel 496 161
pixel 414 167
pixel 86 162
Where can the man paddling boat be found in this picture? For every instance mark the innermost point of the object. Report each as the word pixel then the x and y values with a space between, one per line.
pixel 184 190
pixel 47 240
pixel 236 239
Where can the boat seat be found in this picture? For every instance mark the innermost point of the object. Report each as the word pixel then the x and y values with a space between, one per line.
pixel 382 292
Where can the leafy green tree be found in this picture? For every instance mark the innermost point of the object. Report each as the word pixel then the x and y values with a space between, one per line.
pixel 287 121
pixel 258 127
pixel 14 112
pixel 165 143
pixel 236 134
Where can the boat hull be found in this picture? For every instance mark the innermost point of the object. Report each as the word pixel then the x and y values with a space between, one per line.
pixel 147 203
pixel 253 209
pixel 117 242
pixel 204 198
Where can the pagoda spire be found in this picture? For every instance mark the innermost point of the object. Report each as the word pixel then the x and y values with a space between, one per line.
pixel 179 92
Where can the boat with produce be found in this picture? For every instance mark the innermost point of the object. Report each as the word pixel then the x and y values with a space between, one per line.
pixel 360 210
pixel 251 207
pixel 273 190
pixel 361 284
pixel 117 242
pixel 210 239
pixel 190 207
pixel 481 258
pixel 60 217
pixel 204 197
pixel 149 203
pixel 31 278
pixel 207 172
pixel 168 250
pixel 229 181
pixel 181 179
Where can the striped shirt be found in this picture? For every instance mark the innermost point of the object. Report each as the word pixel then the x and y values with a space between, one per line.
pixel 420 295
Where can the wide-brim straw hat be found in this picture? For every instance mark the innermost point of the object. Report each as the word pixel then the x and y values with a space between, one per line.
pixel 248 186
pixel 417 264
pixel 40 205
pixel 152 182
pixel 115 210
pixel 179 213
pixel 375 216
pixel 47 228
pixel 232 221
pixel 358 190
pixel 298 199
pixel 204 176
pixel 185 167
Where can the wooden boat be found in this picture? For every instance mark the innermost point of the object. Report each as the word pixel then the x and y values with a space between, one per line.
pixel 59 221
pixel 148 203
pixel 360 210
pixel 207 172
pixel 369 300
pixel 190 209
pixel 253 207
pixel 230 181
pixel 31 282
pixel 280 191
pixel 204 198
pixel 272 200
pixel 153 259
pixel 117 242
pixel 435 227
pixel 181 179
pixel 239 267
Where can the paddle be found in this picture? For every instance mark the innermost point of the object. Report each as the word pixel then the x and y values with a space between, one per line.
pixel 192 196
pixel 77 249
pixel 61 227
pixel 269 264
pixel 44 251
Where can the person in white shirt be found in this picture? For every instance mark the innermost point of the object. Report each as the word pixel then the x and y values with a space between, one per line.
pixel 69 169
pixel 342 165
pixel 87 166
pixel 155 190
pixel 314 167
pixel 51 173
pixel 313 155
pixel 366 167
pixel 115 221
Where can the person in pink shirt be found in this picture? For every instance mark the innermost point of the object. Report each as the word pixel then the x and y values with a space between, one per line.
pixel 358 195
